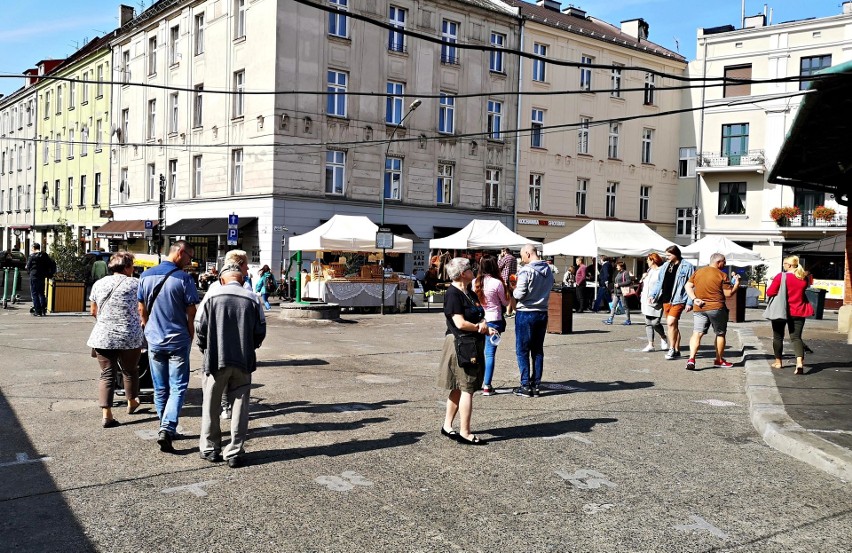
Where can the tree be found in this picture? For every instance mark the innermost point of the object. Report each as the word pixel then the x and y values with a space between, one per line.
pixel 67 254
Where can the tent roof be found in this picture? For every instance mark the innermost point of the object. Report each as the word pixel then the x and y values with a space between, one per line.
pixel 609 238
pixel 735 254
pixel 482 234
pixel 346 233
pixel 833 245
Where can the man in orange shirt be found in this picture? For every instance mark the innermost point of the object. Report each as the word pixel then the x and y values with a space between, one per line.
pixel 709 287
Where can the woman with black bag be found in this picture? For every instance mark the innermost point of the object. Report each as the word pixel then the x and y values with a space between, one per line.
pixel 788 287
pixel 462 364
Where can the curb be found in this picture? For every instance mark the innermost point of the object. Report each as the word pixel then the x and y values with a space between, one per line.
pixel 775 426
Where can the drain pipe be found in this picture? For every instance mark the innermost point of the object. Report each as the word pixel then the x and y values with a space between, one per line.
pixel 518 126
pixel 696 210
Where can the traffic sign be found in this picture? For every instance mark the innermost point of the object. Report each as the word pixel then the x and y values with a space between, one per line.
pixel 149 224
pixel 233 220
pixel 232 236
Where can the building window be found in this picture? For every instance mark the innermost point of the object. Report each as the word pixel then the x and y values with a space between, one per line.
pixel 85 96
pixel 84 141
pixel 56 192
pixel 199 34
pixel 644 202
pixel 27 197
pixel 449 37
pixel 537 123
pixel 58 102
pixel 809 66
pixel 47 104
pixel 198 106
pixel 196 176
pixel 396 18
pixel 612 149
pixel 70 143
pixel 239 93
pixel 99 88
pixel 83 183
pixel 44 197
pixel 335 172
pixel 734 142
pixel 72 95
pixel 174 37
pixel 69 192
pixel 683 226
pixel 125 71
pixel 393 178
pixel 336 99
pixel 18 195
pixel 123 187
pixel 57 151
pixel 495 119
pixel 582 191
pixel 30 155
pixel 97 191
pixel 539 66
pixel 152 56
pixel 152 182
pixel 394 103
pixel 496 62
pixel 125 125
pixel 742 72
pixel 236 171
pixel 337 22
pixel 173 112
pixel 45 154
pixel 583 136
pixel 586 73
pixel 686 163
pixel 732 198
pixel 152 119
pixel 535 192
pixel 492 188
pixel 615 77
pixel 446 123
pixel 445 183
pixel 240 23
pixel 647 143
pixel 99 127
pixel 171 191
pixel 611 189
pixel 650 88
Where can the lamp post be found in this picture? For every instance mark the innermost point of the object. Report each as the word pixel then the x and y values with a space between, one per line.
pixel 414 105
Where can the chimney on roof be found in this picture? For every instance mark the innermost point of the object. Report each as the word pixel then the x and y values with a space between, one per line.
pixel 637 28
pixel 125 14
pixel 847 8
pixel 576 12
pixel 549 4
pixel 754 21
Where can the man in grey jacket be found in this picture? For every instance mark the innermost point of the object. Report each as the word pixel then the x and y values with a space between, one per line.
pixel 535 280
pixel 231 326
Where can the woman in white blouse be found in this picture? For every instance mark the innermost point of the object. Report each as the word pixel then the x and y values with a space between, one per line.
pixel 117 338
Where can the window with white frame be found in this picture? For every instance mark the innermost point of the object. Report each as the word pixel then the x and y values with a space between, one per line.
pixel 198 106
pixel 96 201
pixel 446 114
pixel 125 70
pixel 83 184
pixel 650 88
pixel 99 87
pixel 336 97
pixel 492 188
pixel 99 129
pixel 18 197
pixel 45 154
pixel 496 60
pixel 535 191
pixel 538 65
pixel 396 18
pixel 536 139
pixel 85 96
pixel 44 196
pixel 686 162
pixel 59 99
pixel 152 55
pixel 47 104
pixel 240 18
pixel 27 196
pixel 583 135
pixel 615 78
pixel 72 94
pixel 394 103
pixel 449 38
pixel 84 141
pixel 612 149
pixel 56 192
pixel 393 178
pixel 732 198
pixel 586 72
pixel 495 119
pixel 171 191
pixel 237 171
pixel 239 93
pixel 123 186
pixel 70 143
pixel 21 157
pixel 30 155
pixel 337 21
pixel 69 192
pixel 151 192
pixel 683 225
pixel 335 172
pixel 174 39
pixel 152 119
pixel 445 183
pixel 611 191
pixel 199 34
pixel 582 193
pixel 196 176
pixel 644 202
pixel 173 112
pixel 30 113
pixel 647 145
pixel 57 144
pixel 125 125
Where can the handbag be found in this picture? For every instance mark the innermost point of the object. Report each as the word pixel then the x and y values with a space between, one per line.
pixel 776 307
pixel 467 350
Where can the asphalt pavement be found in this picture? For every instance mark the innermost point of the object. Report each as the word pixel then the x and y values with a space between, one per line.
pixel 624 451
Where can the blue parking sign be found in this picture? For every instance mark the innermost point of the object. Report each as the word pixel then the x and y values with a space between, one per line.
pixel 232 237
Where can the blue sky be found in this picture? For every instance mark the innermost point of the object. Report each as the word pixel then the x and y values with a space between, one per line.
pixel 33 30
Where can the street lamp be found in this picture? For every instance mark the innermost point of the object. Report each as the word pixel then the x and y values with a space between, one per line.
pixel 414 105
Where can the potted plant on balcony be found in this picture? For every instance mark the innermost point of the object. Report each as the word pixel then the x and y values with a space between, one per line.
pixel 782 215
pixel 66 291
pixel 824 213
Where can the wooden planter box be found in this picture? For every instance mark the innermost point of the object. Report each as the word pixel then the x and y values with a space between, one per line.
pixel 66 297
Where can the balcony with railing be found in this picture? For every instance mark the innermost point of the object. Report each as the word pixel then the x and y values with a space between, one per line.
pixel 753 160
pixel 807 219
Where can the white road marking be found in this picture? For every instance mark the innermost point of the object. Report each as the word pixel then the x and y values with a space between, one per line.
pixel 716 402
pixel 586 479
pixel 701 525
pixel 23 459
pixel 195 489
pixel 640 370
pixel 831 431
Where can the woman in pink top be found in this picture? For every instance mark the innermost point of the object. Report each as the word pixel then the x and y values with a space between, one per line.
pixel 798 309
pixel 490 289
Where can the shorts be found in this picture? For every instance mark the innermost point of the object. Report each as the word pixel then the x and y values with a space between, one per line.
pixel 673 309
pixel 702 320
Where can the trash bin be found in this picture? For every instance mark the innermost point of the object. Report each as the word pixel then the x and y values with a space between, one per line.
pixel 817 298
pixel 560 311
pixel 736 306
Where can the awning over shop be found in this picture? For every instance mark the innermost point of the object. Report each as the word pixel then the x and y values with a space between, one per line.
pixel 122 230
pixel 833 245
pixel 401 230
pixel 20 227
pixel 205 227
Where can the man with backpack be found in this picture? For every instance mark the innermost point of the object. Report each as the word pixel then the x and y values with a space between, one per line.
pixel 40 267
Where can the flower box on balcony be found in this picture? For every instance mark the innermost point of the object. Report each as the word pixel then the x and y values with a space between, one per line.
pixel 824 213
pixel 782 215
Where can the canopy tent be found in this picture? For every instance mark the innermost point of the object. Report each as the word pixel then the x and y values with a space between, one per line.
pixel 346 233
pixel 735 254
pixel 482 234
pixel 609 238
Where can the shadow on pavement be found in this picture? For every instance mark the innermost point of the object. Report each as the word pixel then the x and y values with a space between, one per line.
pixel 291 362
pixel 572 386
pixel 273 409
pixel 545 430
pixel 397 439
pixel 303 428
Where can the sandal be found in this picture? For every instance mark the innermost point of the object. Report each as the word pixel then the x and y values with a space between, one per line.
pixel 777 365
pixel 475 441
pixel 132 405
pixel 799 370
pixel 452 434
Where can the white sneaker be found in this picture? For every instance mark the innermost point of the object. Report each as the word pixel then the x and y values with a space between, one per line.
pixel 226 414
pixel 672 354
pixel 664 344
pixel 649 347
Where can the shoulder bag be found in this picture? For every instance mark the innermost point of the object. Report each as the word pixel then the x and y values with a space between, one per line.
pixel 468 345
pixel 776 308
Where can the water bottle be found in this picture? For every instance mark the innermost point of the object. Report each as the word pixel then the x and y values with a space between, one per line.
pixel 495 339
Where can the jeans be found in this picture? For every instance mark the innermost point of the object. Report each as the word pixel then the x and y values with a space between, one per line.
pixel 170 373
pixel 530 328
pixel 602 299
pixel 37 290
pixel 265 298
pixel 616 301
pixel 490 350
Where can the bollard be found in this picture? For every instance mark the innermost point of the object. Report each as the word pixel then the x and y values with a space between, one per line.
pixel 15 279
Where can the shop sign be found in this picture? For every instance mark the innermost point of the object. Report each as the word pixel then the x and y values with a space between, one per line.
pixel 111 235
pixel 136 234
pixel 542 222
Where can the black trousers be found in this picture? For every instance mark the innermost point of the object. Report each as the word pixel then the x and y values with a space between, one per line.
pixel 795 325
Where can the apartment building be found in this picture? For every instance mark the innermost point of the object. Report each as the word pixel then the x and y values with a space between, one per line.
pixel 732 140
pixel 584 153
pixel 332 139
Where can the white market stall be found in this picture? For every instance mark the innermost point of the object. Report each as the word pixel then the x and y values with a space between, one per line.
pixel 482 234
pixel 735 255
pixel 614 238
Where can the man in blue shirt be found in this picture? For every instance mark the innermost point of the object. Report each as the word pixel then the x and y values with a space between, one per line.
pixel 168 300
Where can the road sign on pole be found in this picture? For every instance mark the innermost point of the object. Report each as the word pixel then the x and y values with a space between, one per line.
pixel 233 220
pixel 232 236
